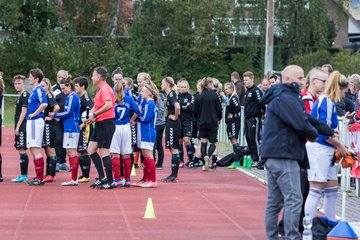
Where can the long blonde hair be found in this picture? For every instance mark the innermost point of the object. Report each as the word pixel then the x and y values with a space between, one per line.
pixel 48 83
pixel 232 86
pixel 119 92
pixel 335 83
pixel 171 82
pixel 153 91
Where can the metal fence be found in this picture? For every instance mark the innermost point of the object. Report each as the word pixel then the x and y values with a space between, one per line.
pixel 344 137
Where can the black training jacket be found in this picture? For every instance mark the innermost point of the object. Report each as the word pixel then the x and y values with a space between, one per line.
pixel 186 101
pixel 207 109
pixel 252 99
pixel 233 107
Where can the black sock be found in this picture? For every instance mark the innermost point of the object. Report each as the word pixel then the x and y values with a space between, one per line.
pixel 175 160
pixel 52 166
pixel 181 153
pixel 203 149
pixel 24 163
pixel 81 163
pixel 108 169
pixel 211 150
pixel 190 151
pixel 47 166
pixel 86 166
pixel 214 159
pixel 237 152
pixel 196 160
pixel 95 157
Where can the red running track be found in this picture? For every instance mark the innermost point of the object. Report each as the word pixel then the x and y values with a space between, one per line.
pixel 219 204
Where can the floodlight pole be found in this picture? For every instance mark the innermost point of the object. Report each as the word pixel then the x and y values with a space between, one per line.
pixel 269 44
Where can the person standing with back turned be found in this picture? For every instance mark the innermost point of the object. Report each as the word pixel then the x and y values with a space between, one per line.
pixel 286 128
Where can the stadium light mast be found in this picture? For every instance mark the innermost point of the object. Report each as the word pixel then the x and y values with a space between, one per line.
pixel 269 42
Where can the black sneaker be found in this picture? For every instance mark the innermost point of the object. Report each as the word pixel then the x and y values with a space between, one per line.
pixel 36 182
pixel 99 182
pixel 170 178
pixel 189 164
pixel 1 179
pixel 212 166
pixel 106 186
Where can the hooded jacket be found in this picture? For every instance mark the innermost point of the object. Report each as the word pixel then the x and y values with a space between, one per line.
pixel 286 125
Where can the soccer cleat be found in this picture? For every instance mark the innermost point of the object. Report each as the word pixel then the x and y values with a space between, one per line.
pixel 64 168
pixel 127 183
pixel 234 165
pixel 20 178
pixel 181 164
pixel 70 183
pixel 82 179
pixel 36 182
pixel 98 182
pixel 170 178
pixel 1 179
pixel 106 186
pixel 118 183
pixel 49 178
pixel 149 184
pixel 137 184
pixel 205 167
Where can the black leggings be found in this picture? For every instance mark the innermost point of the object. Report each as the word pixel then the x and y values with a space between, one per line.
pixel 159 145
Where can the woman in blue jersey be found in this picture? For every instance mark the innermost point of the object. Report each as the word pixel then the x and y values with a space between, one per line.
pixel 322 174
pixel 121 140
pixel 147 135
pixel 70 119
pixel 37 103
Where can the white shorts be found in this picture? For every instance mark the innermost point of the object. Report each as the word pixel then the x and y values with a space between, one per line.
pixel 146 145
pixel 121 140
pixel 34 132
pixel 320 158
pixel 71 140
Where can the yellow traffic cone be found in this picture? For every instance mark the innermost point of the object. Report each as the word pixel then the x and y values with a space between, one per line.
pixel 133 172
pixel 149 211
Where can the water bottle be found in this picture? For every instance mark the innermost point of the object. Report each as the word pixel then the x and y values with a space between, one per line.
pixel 249 166
pixel 307 223
pixel 244 161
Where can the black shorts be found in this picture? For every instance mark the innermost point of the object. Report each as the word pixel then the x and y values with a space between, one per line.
pixel 49 136
pixel 172 133
pixel 209 133
pixel 20 140
pixel 233 129
pixel 186 129
pixel 195 132
pixel 103 133
pixel 83 142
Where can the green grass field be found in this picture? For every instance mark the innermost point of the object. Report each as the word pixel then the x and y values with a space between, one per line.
pixel 9 111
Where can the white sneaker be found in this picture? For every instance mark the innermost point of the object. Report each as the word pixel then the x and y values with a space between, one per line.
pixel 206 164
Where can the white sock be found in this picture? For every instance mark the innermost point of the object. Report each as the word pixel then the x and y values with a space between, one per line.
pixel 312 201
pixel 330 196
